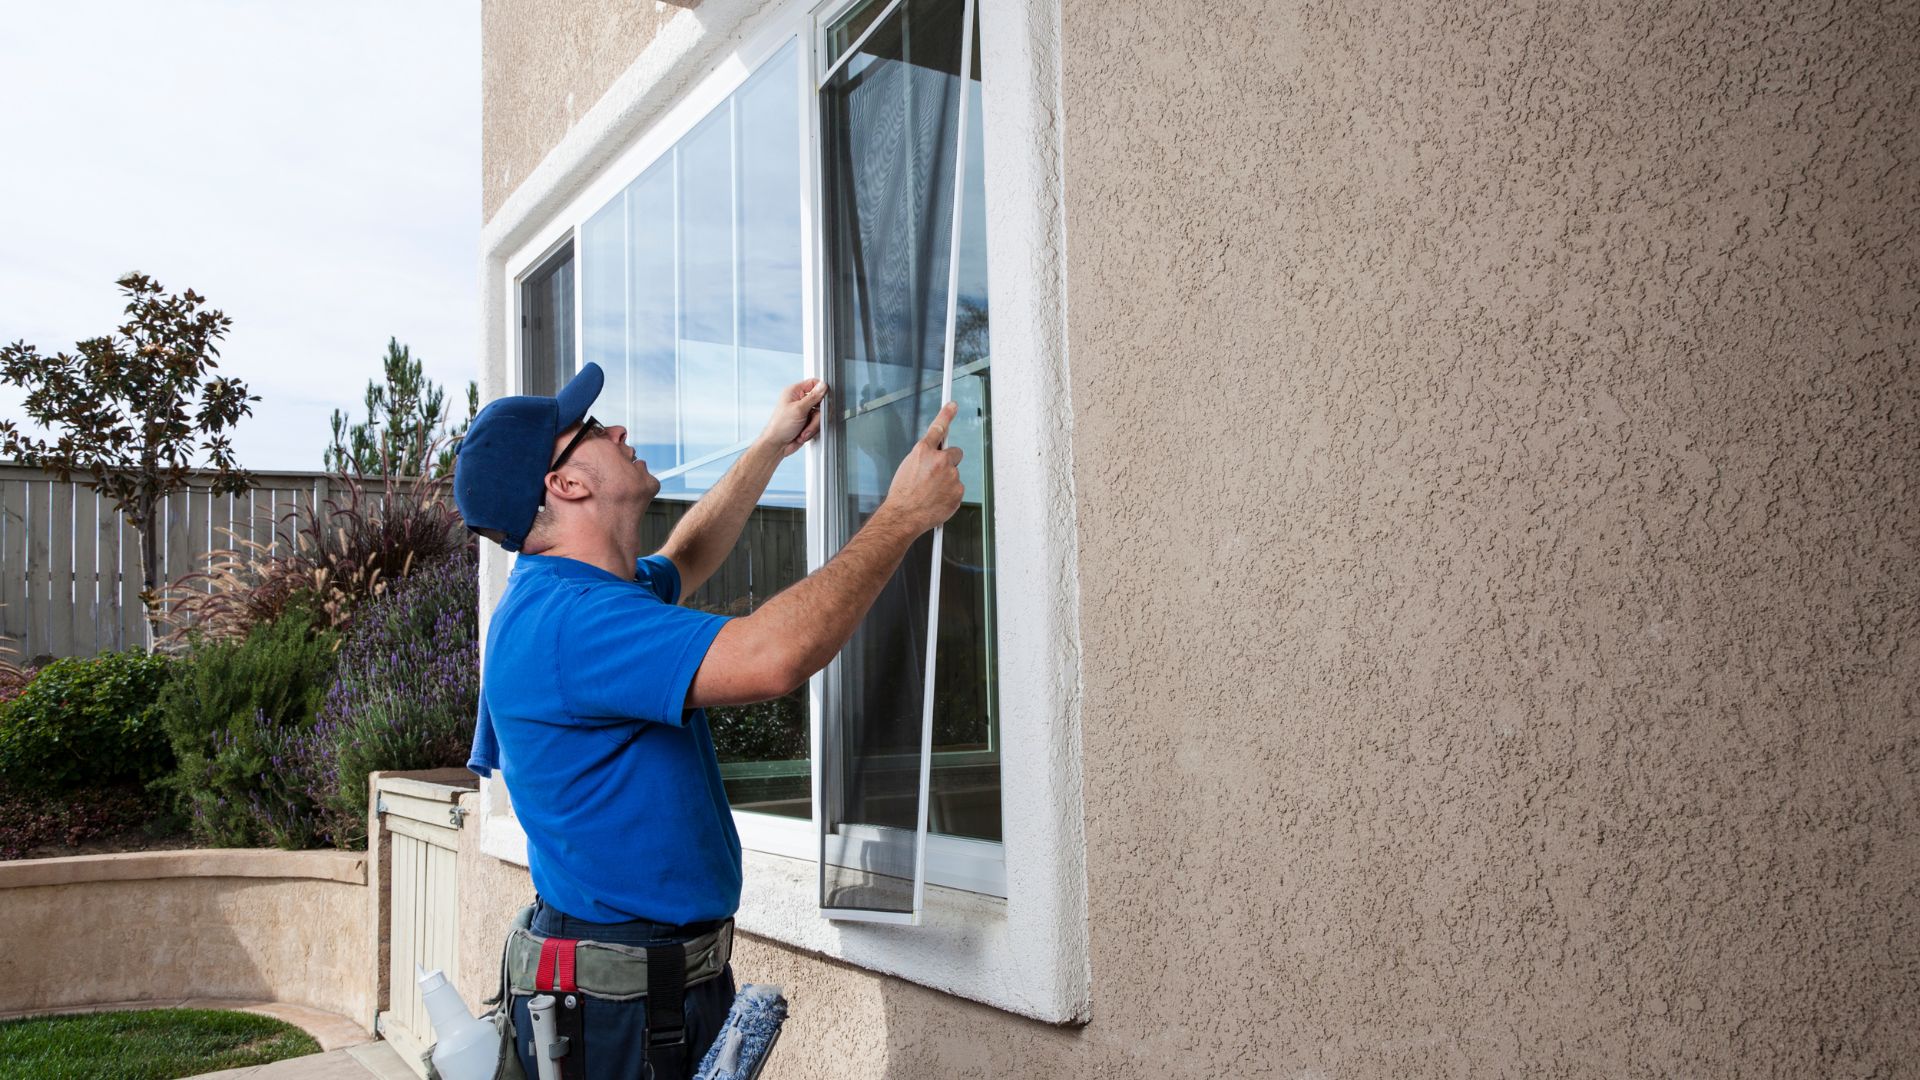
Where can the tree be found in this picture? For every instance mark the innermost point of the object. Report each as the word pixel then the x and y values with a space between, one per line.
pixel 406 430
pixel 131 411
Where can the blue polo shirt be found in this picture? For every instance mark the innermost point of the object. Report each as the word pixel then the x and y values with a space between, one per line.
pixel 613 778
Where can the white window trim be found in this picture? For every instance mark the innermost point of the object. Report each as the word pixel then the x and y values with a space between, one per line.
pixel 1026 953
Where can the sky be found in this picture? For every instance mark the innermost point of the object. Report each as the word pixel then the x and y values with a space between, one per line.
pixel 312 170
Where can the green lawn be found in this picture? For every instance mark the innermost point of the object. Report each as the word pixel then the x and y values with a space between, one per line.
pixel 156 1044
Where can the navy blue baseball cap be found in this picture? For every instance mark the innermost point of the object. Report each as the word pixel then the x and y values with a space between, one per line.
pixel 500 475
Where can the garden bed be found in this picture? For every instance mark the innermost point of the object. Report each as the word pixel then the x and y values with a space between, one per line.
pixel 36 825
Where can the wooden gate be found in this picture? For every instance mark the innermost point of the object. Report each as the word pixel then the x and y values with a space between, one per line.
pixel 420 823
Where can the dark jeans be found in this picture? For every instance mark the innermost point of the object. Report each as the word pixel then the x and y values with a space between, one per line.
pixel 616 1030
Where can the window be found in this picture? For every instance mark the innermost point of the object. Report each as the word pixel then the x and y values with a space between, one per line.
pixel 1004 922
pixel 693 299
pixel 546 324
pixel 691 294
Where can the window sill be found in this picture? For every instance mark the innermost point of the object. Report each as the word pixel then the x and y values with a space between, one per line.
pixel 968 944
pixel 962 945
pixel 958 863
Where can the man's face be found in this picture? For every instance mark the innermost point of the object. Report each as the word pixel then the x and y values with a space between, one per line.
pixel 621 475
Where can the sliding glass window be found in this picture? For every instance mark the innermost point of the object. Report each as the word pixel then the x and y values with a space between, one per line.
pixel 691 301
pixel 694 299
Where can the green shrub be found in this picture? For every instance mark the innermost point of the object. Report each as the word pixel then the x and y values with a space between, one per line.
pixel 230 716
pixel 405 695
pixel 773 730
pixel 86 722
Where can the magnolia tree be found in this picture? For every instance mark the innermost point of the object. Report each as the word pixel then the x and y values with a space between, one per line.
pixel 130 413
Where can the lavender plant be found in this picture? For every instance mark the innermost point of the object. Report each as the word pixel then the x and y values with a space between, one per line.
pixel 404 696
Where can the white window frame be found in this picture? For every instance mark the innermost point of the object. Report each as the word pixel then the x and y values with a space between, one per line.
pixel 1009 926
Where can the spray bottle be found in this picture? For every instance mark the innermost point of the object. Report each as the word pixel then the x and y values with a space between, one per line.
pixel 467 1049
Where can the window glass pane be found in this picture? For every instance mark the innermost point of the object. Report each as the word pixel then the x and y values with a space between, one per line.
pixel 546 324
pixel 603 309
pixel 709 395
pixel 848 30
pixel 763 747
pixel 771 341
pixel 692 293
pixel 890 127
pixel 653 377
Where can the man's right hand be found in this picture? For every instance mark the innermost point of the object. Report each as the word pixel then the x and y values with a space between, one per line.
pixel 926 488
pixel 797 631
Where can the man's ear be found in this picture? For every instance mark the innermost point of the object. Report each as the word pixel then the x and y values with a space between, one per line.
pixel 566 485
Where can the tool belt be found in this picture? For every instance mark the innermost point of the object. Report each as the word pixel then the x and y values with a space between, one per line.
pixel 532 964
pixel 610 972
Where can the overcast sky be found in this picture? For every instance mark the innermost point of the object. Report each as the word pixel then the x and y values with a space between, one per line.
pixel 313 170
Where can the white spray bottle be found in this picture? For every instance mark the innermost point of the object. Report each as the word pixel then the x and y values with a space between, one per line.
pixel 466 1048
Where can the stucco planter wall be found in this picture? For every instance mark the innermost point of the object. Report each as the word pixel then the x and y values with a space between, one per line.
pixel 283 926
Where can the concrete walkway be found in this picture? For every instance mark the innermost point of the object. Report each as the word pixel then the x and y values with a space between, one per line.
pixel 368 1061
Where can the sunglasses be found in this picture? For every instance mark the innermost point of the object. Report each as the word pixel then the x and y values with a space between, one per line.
pixel 589 430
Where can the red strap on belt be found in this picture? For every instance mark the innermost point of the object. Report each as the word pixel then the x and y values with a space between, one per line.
pixel 556 965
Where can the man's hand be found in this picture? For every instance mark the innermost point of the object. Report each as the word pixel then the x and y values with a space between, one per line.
pixel 797 631
pixel 796 418
pixel 926 488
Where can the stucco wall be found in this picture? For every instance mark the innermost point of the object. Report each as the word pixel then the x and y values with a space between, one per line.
pixel 1495 431
pixel 1496 435
pixel 163 926
pixel 542 64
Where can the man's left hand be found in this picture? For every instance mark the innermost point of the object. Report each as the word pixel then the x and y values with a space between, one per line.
pixel 796 418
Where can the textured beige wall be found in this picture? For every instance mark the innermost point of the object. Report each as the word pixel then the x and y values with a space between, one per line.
pixel 1496 438
pixel 91 934
pixel 1495 432
pixel 544 63
pixel 490 891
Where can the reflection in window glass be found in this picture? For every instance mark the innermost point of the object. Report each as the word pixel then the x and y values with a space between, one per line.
pixel 889 135
pixel 652 353
pixel 691 285
pixel 709 395
pixel 603 318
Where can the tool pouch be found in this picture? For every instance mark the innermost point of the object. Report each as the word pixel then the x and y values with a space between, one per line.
pixel 571 971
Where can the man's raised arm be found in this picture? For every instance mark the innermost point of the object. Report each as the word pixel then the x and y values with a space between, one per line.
pixel 778 647
pixel 705 537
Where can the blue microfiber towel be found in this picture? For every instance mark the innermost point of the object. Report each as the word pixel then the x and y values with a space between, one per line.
pixel 746 1039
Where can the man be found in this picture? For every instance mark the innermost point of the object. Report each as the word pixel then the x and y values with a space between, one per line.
pixel 595 682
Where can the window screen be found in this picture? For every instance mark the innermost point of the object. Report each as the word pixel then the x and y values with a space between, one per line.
pixel 907 326
pixel 546 324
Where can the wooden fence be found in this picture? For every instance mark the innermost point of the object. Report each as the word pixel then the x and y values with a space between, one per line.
pixel 771 555
pixel 70 564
